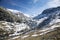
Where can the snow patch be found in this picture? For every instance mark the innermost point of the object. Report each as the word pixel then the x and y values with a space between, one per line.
pixel 15 37
pixel 14 34
pixel 54 26
pixel 35 35
pixel 12 10
pixel 21 26
pixel 27 15
pixel 58 20
pixel 44 32
pixel 25 36
pixel 41 20
pixel 54 21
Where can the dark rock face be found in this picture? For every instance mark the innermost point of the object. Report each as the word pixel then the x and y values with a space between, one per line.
pixel 5 16
pixel 8 16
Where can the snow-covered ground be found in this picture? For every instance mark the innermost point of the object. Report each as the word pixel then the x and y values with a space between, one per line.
pixel 54 21
pixel 15 27
pixel 21 26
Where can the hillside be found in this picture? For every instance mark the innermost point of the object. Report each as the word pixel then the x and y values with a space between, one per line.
pixel 13 23
pixel 49 34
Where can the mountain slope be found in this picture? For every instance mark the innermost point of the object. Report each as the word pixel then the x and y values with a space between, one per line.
pixel 11 23
pixel 52 14
pixel 14 23
pixel 45 34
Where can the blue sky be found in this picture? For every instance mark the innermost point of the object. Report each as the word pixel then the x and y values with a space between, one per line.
pixel 30 7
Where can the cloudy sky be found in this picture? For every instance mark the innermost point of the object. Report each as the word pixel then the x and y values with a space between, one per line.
pixel 29 7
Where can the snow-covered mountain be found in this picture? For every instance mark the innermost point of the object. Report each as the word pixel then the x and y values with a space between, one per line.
pixel 25 18
pixel 52 16
pixel 14 23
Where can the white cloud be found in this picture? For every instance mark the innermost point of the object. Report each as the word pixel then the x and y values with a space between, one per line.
pixel 34 1
pixel 49 4
pixel 53 3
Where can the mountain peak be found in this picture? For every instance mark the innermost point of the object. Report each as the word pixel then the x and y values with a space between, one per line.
pixel 48 12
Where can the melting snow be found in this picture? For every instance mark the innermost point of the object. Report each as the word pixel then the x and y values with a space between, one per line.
pixel 25 36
